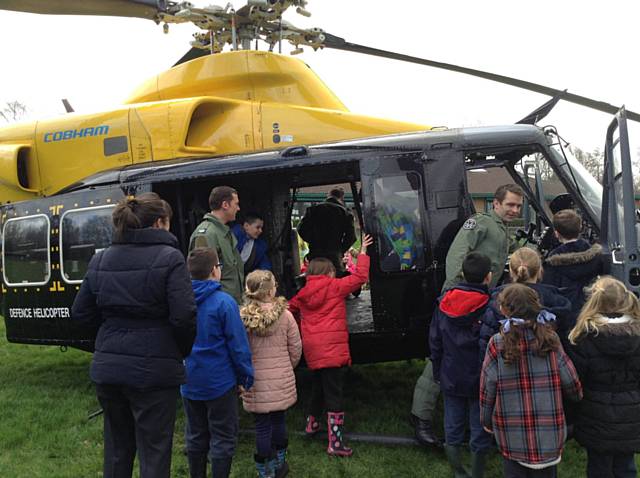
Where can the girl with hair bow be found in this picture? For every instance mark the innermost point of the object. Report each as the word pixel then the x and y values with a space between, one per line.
pixel 524 376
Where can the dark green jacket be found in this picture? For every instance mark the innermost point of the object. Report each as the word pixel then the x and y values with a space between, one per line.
pixel 212 233
pixel 485 233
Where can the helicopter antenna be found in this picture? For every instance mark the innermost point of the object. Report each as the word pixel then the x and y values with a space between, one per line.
pixel 280 35
pixel 67 106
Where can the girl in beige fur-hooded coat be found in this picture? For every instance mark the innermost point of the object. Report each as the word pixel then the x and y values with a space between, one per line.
pixel 275 349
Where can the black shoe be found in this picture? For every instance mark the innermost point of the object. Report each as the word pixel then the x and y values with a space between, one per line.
pixel 221 467
pixel 424 432
pixel 197 465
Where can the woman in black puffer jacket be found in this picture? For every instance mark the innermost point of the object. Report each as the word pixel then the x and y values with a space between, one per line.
pixel 606 354
pixel 138 295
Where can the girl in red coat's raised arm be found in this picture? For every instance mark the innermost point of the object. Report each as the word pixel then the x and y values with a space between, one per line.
pixel 320 305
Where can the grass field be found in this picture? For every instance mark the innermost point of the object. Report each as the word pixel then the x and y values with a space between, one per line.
pixel 46 397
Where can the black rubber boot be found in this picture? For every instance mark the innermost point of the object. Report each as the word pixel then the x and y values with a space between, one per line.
pixel 221 467
pixel 454 457
pixel 477 464
pixel 197 465
pixel 424 432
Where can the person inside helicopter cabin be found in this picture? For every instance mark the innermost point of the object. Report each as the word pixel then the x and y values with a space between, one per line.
pixel 329 229
pixel 253 250
pixel 214 232
pixel 574 264
pixel 486 233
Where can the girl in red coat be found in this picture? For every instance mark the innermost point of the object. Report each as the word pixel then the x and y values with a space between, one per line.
pixel 320 305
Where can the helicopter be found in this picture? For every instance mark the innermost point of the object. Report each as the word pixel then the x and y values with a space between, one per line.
pixel 264 124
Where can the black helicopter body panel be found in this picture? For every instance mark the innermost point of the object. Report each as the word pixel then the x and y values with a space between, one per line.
pixel 411 193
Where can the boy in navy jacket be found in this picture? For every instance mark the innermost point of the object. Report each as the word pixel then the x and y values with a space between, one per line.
pixel 455 354
pixel 218 367
pixel 573 265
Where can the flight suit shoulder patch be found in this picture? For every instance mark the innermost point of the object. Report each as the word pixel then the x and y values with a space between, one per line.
pixel 470 224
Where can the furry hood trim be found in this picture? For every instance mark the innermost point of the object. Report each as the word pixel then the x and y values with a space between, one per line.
pixel 260 319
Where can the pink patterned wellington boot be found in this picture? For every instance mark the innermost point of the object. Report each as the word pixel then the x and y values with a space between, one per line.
pixel 335 425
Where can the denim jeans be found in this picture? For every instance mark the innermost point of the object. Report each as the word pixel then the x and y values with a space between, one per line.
pixel 271 432
pixel 458 411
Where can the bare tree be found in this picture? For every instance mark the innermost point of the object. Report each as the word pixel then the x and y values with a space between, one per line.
pixel 13 111
pixel 593 161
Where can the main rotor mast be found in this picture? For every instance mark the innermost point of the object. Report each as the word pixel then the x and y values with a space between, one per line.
pixel 258 20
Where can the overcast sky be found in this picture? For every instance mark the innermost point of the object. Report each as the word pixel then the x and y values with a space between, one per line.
pixel 588 47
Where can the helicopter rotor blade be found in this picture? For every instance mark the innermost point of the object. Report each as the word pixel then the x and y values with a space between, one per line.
pixel 337 43
pixel 148 9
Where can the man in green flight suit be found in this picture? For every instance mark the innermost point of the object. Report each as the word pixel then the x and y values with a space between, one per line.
pixel 485 233
pixel 213 232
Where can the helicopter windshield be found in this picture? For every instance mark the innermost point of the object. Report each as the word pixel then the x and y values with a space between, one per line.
pixel 584 183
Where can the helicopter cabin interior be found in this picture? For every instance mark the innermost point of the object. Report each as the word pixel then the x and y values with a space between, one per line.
pixel 411 197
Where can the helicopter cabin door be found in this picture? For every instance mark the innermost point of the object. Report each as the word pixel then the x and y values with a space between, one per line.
pixel 47 246
pixel 619 222
pixel 408 205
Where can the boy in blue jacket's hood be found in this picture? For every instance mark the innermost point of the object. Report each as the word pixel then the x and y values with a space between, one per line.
pixel 218 367
pixel 455 352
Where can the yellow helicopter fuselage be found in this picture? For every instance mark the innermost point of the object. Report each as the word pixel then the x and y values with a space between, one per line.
pixel 227 103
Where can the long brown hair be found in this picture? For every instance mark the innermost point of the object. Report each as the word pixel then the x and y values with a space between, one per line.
pixel 321 266
pixel 139 212
pixel 607 297
pixel 522 302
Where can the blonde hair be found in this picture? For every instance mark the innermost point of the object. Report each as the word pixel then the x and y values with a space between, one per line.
pixel 259 285
pixel 525 265
pixel 607 296
pixel 258 289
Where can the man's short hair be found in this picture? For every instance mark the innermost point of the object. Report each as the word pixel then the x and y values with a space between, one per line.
pixel 201 261
pixel 475 267
pixel 220 194
pixel 567 223
pixel 252 217
pixel 502 191
pixel 336 193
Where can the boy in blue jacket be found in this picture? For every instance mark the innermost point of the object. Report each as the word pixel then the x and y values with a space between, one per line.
pixel 455 352
pixel 218 367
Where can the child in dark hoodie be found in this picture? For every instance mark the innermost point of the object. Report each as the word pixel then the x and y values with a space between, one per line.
pixel 455 355
pixel 325 340
pixel 574 264
pixel 525 267
pixel 218 367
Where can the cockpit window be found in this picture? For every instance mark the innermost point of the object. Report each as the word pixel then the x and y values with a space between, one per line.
pixel 397 206
pixel 587 186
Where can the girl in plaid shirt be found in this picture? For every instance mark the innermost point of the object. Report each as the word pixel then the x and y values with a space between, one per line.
pixel 524 377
